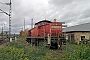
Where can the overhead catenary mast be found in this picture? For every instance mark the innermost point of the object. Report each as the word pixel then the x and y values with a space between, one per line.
pixel 32 23
pixel 9 14
pixel 10 19
pixel 24 24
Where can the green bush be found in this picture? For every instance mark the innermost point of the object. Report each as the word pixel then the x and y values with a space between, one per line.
pixel 15 51
pixel 82 52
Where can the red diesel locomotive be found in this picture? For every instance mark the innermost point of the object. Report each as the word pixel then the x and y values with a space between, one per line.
pixel 44 31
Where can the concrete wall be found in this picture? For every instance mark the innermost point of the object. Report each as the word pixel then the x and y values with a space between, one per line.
pixel 77 35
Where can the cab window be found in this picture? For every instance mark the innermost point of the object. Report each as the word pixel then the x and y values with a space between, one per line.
pixel 42 23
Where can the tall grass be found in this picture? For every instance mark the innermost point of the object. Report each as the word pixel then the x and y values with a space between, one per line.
pixel 22 38
pixel 79 52
pixel 16 51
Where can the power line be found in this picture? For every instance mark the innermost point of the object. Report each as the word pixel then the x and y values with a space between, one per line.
pixel 2 3
pixel 4 12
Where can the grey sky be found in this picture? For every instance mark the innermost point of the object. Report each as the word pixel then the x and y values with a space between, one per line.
pixel 72 12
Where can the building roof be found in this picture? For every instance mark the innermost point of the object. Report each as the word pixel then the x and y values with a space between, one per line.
pixel 43 21
pixel 81 27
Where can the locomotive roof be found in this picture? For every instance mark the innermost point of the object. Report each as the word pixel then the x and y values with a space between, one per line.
pixel 43 21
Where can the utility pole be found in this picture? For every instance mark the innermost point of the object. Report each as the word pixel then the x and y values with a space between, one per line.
pixel 4 27
pixel 24 24
pixel 22 28
pixel 32 23
pixel 2 33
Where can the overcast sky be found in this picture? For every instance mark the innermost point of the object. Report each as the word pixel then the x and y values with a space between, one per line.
pixel 72 12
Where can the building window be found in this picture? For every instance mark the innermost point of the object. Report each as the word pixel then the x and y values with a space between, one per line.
pixel 72 37
pixel 47 23
pixel 82 37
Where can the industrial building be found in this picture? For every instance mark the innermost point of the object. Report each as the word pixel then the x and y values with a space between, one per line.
pixel 78 32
